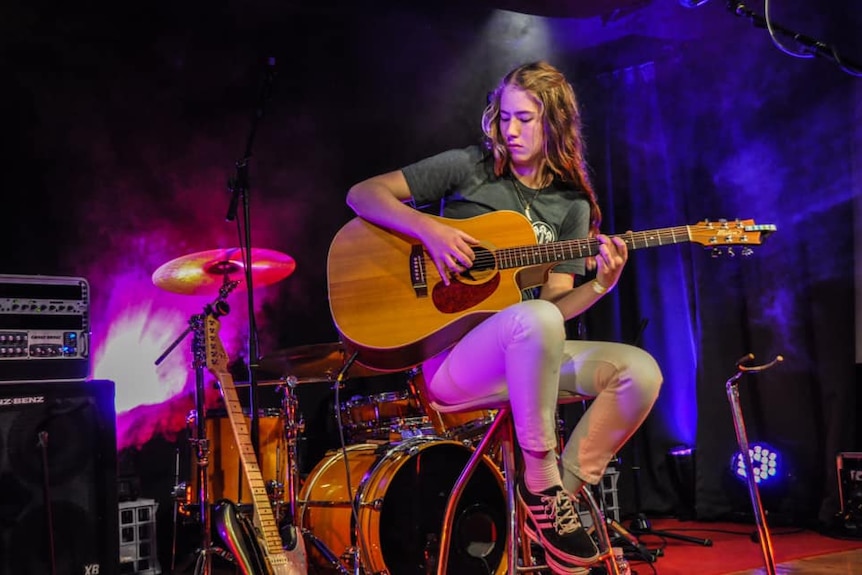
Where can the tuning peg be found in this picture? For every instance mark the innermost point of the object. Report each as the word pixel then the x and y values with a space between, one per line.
pixel 746 251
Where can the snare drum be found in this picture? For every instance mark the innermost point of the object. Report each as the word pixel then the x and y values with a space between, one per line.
pixel 402 490
pixel 225 473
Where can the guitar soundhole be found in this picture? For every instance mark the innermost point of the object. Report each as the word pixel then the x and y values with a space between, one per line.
pixel 484 261
pixel 458 296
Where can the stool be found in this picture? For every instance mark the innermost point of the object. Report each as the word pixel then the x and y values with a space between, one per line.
pixel 502 431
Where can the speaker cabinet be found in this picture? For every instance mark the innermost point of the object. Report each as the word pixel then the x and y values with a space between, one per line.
pixel 58 479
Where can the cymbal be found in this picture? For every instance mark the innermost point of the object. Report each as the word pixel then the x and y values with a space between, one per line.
pixel 203 273
pixel 313 362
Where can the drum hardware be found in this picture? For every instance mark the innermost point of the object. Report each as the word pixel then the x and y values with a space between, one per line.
pixel 217 308
pixel 357 554
pixel 294 426
pixel 203 273
pixel 176 509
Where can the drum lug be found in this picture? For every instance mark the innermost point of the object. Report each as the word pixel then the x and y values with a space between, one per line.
pixel 350 557
pixel 179 493
pixel 275 490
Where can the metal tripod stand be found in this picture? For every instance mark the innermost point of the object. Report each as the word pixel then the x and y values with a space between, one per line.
pixel 219 307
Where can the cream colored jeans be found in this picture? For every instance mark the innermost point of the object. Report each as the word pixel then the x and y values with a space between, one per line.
pixel 521 355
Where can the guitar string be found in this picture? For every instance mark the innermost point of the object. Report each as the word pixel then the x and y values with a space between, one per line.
pixel 588 245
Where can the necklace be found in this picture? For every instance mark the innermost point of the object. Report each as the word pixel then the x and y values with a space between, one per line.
pixel 525 204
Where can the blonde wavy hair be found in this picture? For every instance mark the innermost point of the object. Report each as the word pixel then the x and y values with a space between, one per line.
pixel 563 149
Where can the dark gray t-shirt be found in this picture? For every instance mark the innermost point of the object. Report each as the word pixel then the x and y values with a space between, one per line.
pixel 463 180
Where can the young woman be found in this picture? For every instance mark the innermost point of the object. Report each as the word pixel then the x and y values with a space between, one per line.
pixel 533 162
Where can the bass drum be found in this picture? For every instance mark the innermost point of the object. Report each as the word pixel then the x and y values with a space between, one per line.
pixel 402 491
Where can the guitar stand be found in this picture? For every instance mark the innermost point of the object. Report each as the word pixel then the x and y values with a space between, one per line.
pixel 732 389
pixel 218 308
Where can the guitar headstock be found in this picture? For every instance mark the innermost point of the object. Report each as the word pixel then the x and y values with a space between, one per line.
pixel 216 356
pixel 720 234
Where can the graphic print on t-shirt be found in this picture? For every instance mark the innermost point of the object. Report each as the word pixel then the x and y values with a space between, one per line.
pixel 544 233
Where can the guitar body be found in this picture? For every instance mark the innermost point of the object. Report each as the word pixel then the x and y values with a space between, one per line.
pixel 378 309
pixel 237 531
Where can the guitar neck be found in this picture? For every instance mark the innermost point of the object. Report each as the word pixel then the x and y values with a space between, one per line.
pixel 260 498
pixel 265 519
pixel 522 256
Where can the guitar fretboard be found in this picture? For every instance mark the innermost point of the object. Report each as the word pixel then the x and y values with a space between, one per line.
pixel 262 507
pixel 521 256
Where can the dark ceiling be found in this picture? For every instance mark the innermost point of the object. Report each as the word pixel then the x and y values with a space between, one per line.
pixel 606 9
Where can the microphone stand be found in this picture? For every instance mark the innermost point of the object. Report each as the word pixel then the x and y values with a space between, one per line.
pixel 239 186
pixel 813 47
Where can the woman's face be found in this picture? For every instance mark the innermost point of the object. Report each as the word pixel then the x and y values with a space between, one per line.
pixel 521 127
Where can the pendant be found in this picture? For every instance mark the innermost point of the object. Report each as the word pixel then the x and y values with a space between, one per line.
pixel 527 213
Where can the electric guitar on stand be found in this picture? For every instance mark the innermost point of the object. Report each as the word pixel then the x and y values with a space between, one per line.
pixel 257 546
pixel 389 303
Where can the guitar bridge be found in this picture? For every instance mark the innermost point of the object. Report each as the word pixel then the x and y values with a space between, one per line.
pixel 418 277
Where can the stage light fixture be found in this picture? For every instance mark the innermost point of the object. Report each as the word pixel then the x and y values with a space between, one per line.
pixel 765 463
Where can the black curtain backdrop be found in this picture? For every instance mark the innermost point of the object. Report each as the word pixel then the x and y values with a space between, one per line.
pixel 678 139
pixel 122 124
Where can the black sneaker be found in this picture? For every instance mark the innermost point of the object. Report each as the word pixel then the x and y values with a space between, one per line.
pixel 556 526
pixel 557 566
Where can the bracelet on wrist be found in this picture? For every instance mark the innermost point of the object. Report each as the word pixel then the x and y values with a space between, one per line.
pixel 599 288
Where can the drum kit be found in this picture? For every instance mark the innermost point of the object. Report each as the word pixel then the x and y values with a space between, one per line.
pixel 373 505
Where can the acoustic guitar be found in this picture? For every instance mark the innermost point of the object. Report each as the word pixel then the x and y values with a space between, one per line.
pixel 390 305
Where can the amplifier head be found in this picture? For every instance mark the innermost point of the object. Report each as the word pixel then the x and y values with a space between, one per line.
pixel 44 328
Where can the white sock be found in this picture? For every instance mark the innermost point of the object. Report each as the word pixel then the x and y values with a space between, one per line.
pixel 540 470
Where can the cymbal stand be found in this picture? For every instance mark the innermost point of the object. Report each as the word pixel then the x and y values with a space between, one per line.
pixel 332 559
pixel 219 307
pixel 286 511
pixel 294 425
